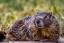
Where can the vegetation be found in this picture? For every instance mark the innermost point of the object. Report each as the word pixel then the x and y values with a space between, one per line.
pixel 10 10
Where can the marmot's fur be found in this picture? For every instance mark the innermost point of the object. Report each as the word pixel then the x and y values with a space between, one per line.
pixel 41 26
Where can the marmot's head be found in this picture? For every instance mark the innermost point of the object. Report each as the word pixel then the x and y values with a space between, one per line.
pixel 43 19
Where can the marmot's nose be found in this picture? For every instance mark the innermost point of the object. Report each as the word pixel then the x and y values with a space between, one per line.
pixel 37 21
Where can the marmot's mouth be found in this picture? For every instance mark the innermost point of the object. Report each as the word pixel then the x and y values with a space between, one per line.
pixel 39 26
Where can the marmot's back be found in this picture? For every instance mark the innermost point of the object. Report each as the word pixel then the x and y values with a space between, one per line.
pixel 18 27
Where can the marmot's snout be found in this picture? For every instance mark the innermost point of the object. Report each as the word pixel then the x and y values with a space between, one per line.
pixel 39 23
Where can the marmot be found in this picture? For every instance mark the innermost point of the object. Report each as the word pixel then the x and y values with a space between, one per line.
pixel 41 26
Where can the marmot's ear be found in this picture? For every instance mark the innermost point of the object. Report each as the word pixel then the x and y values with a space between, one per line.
pixel 50 13
pixel 37 12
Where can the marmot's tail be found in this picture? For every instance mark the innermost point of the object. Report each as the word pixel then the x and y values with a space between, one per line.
pixel 2 35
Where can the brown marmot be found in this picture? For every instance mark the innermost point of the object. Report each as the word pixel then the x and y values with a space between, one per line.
pixel 41 26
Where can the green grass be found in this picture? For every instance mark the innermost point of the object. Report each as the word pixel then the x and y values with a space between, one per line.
pixel 11 10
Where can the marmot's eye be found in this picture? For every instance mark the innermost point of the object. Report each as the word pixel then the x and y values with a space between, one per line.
pixel 50 16
pixel 45 17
